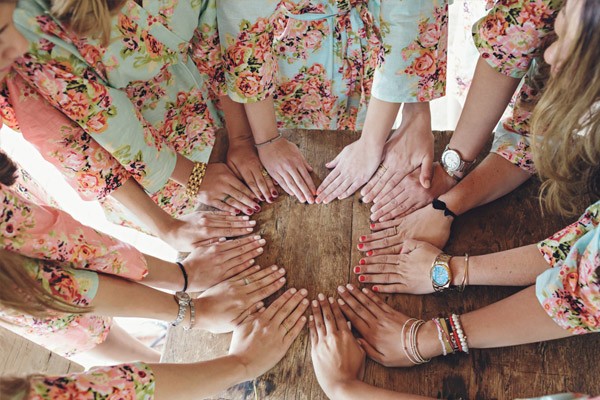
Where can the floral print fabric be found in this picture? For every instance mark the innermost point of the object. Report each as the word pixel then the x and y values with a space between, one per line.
pixel 320 60
pixel 125 381
pixel 570 291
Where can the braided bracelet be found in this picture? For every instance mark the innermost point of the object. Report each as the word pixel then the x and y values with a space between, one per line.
pixel 195 179
pixel 276 138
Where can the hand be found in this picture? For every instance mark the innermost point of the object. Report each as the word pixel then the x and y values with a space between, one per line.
pixel 409 148
pixel 409 195
pixel 352 168
pixel 263 338
pixel 209 265
pixel 224 306
pixel 405 272
pixel 337 357
pixel 379 324
pixel 427 224
pixel 203 227
pixel 289 169
pixel 243 160
pixel 221 189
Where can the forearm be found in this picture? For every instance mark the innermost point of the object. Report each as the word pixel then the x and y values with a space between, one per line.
pixel 163 274
pixel 492 179
pixel 515 267
pixel 236 120
pixel 183 170
pixel 132 196
pixel 199 380
pixel 358 390
pixel 482 111
pixel 261 117
pixel 379 121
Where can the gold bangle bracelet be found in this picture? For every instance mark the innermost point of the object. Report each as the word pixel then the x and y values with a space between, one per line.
pixel 465 279
pixel 195 179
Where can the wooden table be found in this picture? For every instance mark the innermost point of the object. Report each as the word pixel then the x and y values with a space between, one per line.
pixel 317 246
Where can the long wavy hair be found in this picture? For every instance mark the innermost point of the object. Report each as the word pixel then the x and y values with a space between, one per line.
pixel 566 124
pixel 88 17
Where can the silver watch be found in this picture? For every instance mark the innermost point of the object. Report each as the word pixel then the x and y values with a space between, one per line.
pixel 453 163
pixel 184 301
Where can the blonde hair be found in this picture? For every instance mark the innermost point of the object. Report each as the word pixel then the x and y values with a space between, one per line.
pixel 15 387
pixel 88 17
pixel 566 124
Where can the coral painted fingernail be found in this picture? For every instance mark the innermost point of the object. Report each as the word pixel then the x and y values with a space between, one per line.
pixel 362 278
pixel 357 270
pixel 369 253
pixel 372 226
pixel 360 246
pixel 362 261
pixel 375 289
pixel 363 238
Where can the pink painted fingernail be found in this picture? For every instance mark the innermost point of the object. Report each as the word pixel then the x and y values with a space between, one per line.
pixel 357 270
pixel 360 246
pixel 369 253
pixel 249 211
pixel 372 226
pixel 363 238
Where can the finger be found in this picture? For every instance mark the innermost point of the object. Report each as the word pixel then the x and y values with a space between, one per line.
pixel 407 208
pixel 328 180
pixel 376 236
pixel 385 259
pixel 246 273
pixel 277 304
pixel 291 183
pixel 371 302
pixel 328 319
pixel 379 185
pixel 314 336
pixel 333 163
pixel 390 185
pixel 238 269
pixel 386 279
pixel 331 187
pixel 279 180
pixel 365 192
pixel 348 293
pixel 370 350
pixel 226 246
pixel 295 331
pixel 399 204
pixel 376 269
pixel 251 180
pixel 360 324
pixel 426 170
pixel 249 313
pixel 393 288
pixel 241 253
pixel 379 226
pixel 300 178
pixel 223 206
pixel 341 188
pixel 318 318
pixel 243 193
pixel 294 314
pixel 265 185
pixel 264 278
pixel 308 166
pixel 305 174
pixel 387 199
pixel 290 307
pixel 350 191
pixel 235 203
pixel 391 250
pixel 340 320
pixel 248 205
pixel 221 219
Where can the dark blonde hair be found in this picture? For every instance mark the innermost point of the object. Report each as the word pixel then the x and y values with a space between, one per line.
pixel 566 124
pixel 88 17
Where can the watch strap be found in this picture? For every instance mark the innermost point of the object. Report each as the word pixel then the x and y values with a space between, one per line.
pixel 183 304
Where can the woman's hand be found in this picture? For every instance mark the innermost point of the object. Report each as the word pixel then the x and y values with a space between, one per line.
pixel 224 306
pixel 410 195
pixel 409 148
pixel 352 168
pixel 209 265
pixel 379 325
pixel 337 357
pixel 427 224
pixel 202 227
pixel 407 271
pixel 221 189
pixel 263 338
pixel 243 160
pixel 289 169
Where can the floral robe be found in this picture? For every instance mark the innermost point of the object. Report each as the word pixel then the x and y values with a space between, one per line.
pixel 570 290
pixel 321 60
pixel 51 239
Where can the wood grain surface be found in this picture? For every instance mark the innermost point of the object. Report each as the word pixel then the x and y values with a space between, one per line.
pixel 317 246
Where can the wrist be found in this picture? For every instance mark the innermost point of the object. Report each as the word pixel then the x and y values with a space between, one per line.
pixel 416 108
pixel 241 368
pixel 342 389
pixel 457 267
pixel 427 341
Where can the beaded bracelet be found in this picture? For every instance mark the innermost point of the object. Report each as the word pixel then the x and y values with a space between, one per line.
pixel 195 179
pixel 451 335
pixel 462 338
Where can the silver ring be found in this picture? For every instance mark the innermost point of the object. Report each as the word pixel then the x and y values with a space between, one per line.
pixel 246 281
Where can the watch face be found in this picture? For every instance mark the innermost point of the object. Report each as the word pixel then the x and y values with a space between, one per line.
pixel 451 160
pixel 440 275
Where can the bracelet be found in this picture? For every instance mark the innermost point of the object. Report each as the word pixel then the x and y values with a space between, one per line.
pixel 465 279
pixel 462 338
pixel 195 179
pixel 185 275
pixel 411 349
pixel 440 205
pixel 276 138
pixel 192 316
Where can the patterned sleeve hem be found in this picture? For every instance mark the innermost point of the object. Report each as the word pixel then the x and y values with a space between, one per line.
pixel 513 147
pixel 126 381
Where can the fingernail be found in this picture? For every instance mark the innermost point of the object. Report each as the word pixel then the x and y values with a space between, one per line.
pixel 260 250
pixel 251 262
pixel 362 278
pixel 321 296
pixel 249 229
pixel 310 317
pixel 369 253
pixel 282 280
pixel 257 237
pixel 362 261
pixel 256 200
pixel 246 218
pixel 262 241
pixel 357 270
pixel 341 289
pixel 274 193
pixel 281 271
pixel 363 238
pixel 304 301
pixel 249 211
pixel 314 303
pixel 237 212
pixel 372 226
pixel 303 318
pixel 375 289
pixel 260 304
pixel 257 208
pixel 222 239
pixel 341 302
pixel 262 198
pixel 331 300
pixel 350 286
pixel 252 223
pixel 274 267
pixel 293 290
pixel 271 199
pixel 360 246
pixel 303 292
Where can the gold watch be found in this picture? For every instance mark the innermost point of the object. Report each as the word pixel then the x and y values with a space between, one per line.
pixel 441 274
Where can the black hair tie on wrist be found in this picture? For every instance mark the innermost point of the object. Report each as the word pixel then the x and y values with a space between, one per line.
pixel 440 205
pixel 185 275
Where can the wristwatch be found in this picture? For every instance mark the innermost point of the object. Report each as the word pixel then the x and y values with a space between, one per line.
pixel 453 163
pixel 441 274
pixel 184 301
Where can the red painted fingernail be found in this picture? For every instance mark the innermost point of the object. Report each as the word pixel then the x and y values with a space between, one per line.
pixel 362 278
pixel 363 238
pixel 362 261
pixel 357 270
pixel 237 212
pixel 274 193
pixel 372 226
pixel 249 211
pixel 262 198
pixel 360 246
pixel 369 253
pixel 256 200
pixel 271 199
pixel 257 208
pixel 375 289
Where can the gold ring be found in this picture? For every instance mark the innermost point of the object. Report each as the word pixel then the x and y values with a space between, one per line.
pixel 246 281
pixel 383 167
pixel 226 198
pixel 265 173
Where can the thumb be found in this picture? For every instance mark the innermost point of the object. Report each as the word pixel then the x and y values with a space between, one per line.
pixel 426 171
pixel 333 163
